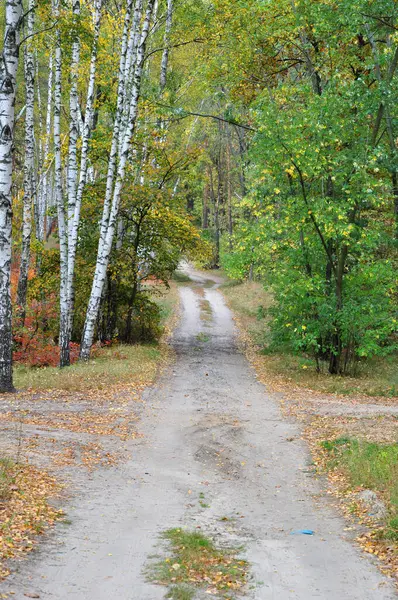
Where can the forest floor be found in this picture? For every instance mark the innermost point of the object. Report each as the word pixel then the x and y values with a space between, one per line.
pixel 197 486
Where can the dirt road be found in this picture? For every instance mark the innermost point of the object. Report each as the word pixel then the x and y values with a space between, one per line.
pixel 216 455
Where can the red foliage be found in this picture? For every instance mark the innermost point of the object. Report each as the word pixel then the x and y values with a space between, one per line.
pixel 34 342
pixel 35 353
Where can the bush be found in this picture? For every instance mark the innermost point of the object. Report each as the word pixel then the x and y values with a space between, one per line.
pixel 306 318
pixel 145 321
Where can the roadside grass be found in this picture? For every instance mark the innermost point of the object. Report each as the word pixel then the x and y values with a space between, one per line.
pixel 115 365
pixel 196 563
pixel 249 300
pixel 371 466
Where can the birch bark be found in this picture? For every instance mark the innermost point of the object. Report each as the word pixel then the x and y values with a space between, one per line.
pixel 72 175
pixel 104 249
pixel 8 72
pixel 131 56
pixel 29 167
pixel 76 186
pixel 165 55
pixel 112 163
pixel 73 118
pixel 62 225
pixel 46 180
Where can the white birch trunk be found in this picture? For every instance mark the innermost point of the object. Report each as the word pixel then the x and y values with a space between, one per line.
pixel 165 56
pixel 72 176
pixel 105 248
pixel 112 163
pixel 131 57
pixel 38 219
pixel 8 73
pixel 46 183
pixel 74 218
pixel 73 120
pixel 29 167
pixel 62 225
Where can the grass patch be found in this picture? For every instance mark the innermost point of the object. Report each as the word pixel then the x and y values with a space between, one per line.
pixel 202 337
pixel 196 563
pixel 116 365
pixel 376 377
pixel 181 592
pixel 206 313
pixel 371 466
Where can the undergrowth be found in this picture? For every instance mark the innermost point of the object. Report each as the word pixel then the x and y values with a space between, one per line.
pixel 250 301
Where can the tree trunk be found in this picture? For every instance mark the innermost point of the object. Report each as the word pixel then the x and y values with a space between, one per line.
pixel 166 42
pixel 8 82
pixel 43 192
pixel 62 226
pixel 229 194
pixel 216 208
pixel 106 246
pixel 129 320
pixel 76 202
pixel 129 67
pixel 205 214
pixel 112 162
pixel 37 218
pixel 29 167
pixel 337 346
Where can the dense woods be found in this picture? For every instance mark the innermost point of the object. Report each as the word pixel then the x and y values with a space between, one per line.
pixel 257 136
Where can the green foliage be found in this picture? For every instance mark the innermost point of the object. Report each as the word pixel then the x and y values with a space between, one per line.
pixel 145 321
pixel 305 314
pixel 318 223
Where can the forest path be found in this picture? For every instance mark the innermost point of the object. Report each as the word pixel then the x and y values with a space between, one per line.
pixel 218 455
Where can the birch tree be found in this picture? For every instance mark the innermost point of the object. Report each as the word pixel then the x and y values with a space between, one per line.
pixel 8 73
pixel 43 196
pixel 62 224
pixel 165 56
pixel 108 225
pixel 74 217
pixel 68 221
pixel 29 169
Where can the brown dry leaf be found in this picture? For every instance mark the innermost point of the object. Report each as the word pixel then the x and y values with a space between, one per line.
pixel 27 513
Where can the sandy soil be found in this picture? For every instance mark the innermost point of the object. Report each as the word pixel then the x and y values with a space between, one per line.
pixel 216 455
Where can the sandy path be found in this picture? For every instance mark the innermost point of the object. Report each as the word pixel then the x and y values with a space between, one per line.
pixel 213 436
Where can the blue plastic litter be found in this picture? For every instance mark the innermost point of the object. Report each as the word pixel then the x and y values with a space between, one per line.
pixel 303 532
